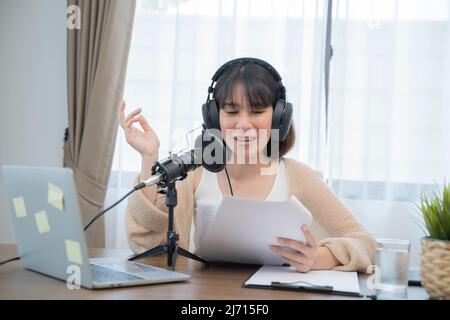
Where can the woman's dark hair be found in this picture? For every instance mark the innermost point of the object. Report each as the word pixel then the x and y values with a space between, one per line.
pixel 261 90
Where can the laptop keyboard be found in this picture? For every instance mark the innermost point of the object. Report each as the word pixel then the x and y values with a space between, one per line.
pixel 102 274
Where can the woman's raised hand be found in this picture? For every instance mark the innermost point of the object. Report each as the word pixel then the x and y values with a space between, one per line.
pixel 144 141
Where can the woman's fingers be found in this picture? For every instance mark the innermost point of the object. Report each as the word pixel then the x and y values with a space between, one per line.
pixel 296 245
pixel 122 113
pixel 136 119
pixel 144 124
pixel 310 238
pixel 126 122
pixel 298 266
pixel 290 254
pixel 140 118
pixel 300 255
pixel 128 119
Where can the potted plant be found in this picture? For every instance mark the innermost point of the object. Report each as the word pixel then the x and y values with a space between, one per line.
pixel 435 256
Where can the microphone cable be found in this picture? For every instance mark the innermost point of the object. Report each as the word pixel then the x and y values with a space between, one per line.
pixel 9 260
pixel 135 188
pixel 229 182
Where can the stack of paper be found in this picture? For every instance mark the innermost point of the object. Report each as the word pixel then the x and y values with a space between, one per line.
pixel 243 229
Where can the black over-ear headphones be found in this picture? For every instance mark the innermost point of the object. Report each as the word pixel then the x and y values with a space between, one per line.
pixel 281 119
pixel 282 112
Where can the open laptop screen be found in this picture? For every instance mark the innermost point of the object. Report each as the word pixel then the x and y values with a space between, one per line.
pixel 44 208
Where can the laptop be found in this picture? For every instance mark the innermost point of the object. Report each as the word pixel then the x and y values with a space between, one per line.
pixel 49 233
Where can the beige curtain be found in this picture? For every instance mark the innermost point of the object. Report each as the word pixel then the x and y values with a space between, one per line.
pixel 97 55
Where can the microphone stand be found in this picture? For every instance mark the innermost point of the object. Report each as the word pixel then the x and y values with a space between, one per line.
pixel 170 170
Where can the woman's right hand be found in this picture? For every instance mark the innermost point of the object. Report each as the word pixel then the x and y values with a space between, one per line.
pixel 145 142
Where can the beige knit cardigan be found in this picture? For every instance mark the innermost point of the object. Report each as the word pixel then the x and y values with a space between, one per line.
pixel 333 224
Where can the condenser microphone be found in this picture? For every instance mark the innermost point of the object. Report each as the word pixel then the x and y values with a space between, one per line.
pixel 173 168
pixel 211 150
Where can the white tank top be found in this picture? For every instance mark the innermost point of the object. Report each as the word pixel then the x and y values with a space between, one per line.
pixel 208 196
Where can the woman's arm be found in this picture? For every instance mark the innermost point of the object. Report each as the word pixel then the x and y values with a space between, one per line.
pixel 349 242
pixel 349 246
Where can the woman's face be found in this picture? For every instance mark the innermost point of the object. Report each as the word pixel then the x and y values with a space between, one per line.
pixel 246 129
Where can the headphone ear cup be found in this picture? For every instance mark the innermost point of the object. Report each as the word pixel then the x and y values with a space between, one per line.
pixel 282 118
pixel 206 116
pixel 211 141
pixel 285 121
pixel 210 114
pixel 276 117
pixel 214 114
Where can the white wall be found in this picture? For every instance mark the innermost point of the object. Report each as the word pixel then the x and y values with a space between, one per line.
pixel 33 93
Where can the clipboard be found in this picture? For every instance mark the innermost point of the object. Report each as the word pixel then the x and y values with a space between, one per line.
pixel 303 286
pixel 305 289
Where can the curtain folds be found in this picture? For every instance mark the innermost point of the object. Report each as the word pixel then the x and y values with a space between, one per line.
pixel 97 56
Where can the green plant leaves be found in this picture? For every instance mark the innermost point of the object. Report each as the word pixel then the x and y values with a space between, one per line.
pixel 436 213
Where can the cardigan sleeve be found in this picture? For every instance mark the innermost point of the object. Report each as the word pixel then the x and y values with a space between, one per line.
pixel 145 221
pixel 351 243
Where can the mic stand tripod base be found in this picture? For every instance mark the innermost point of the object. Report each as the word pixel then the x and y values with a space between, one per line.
pixel 172 249
pixel 171 246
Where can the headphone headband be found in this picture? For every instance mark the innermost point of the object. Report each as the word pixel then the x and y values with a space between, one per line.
pixel 256 61
pixel 260 62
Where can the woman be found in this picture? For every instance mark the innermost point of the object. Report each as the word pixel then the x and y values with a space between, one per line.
pixel 246 95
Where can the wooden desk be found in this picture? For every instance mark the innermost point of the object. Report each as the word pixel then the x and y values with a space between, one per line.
pixel 214 282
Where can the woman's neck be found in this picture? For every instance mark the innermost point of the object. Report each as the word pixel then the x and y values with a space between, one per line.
pixel 246 171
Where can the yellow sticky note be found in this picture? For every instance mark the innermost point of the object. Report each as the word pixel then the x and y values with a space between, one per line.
pixel 55 196
pixel 19 207
pixel 73 251
pixel 42 222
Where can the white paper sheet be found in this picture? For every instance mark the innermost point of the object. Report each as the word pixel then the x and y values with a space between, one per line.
pixel 340 281
pixel 206 211
pixel 243 229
